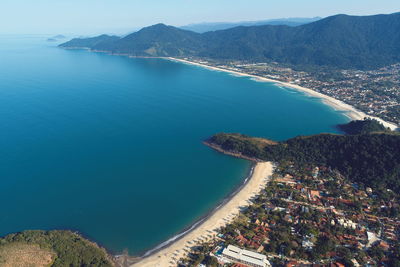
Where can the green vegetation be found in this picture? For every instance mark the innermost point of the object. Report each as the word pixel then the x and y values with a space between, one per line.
pixel 339 41
pixel 365 126
pixel 372 159
pixel 64 248
pixel 21 254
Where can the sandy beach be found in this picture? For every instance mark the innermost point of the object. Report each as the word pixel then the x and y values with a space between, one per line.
pixel 348 110
pixel 207 229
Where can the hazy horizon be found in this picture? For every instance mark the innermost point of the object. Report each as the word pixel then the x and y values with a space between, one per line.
pixel 121 16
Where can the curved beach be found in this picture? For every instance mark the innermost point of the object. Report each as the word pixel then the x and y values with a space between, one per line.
pixel 207 229
pixel 349 110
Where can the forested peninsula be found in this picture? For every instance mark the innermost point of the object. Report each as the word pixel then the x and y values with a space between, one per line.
pixel 370 157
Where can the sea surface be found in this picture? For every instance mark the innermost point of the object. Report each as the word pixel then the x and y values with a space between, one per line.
pixel 112 146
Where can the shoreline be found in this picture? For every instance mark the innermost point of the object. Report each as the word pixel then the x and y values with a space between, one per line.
pixel 338 105
pixel 168 254
pixel 193 226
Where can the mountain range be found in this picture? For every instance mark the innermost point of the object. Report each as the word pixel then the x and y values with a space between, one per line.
pixel 217 26
pixel 340 41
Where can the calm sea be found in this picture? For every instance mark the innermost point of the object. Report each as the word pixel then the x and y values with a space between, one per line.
pixel 112 146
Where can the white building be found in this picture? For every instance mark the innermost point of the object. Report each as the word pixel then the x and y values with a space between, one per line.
pixel 246 257
pixel 347 223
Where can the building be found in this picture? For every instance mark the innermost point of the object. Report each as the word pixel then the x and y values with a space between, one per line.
pixel 246 257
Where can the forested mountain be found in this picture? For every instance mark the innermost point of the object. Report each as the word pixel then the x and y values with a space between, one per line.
pixel 156 40
pixel 217 26
pixel 372 159
pixel 362 42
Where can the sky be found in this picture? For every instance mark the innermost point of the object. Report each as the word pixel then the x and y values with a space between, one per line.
pixel 87 17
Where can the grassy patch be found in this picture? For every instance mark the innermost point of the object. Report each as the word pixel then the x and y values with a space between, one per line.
pixel 54 248
pixel 25 255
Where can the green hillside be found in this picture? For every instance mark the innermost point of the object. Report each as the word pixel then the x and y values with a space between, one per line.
pixel 342 41
pixel 372 159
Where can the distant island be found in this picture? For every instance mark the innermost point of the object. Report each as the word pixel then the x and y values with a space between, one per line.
pixel 59 36
pixel 56 38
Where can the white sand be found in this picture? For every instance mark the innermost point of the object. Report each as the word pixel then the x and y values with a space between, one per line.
pixel 350 111
pixel 207 229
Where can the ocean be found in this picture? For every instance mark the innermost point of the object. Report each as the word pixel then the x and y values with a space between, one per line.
pixel 111 146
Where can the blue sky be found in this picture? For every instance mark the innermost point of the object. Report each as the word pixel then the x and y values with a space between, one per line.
pixel 120 16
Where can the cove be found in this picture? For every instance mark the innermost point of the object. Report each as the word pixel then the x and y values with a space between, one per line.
pixel 111 146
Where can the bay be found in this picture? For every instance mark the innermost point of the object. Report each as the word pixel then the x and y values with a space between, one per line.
pixel 111 146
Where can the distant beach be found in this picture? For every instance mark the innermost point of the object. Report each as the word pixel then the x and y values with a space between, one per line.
pixel 338 105
pixel 207 229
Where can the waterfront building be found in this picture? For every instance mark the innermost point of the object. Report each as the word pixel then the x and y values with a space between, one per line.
pixel 246 257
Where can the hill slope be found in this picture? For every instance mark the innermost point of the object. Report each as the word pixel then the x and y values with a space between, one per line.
pixel 341 41
pixel 217 26
pixel 156 40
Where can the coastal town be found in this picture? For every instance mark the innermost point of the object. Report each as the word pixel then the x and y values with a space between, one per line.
pixel 205 133
pixel 308 216
pixel 374 92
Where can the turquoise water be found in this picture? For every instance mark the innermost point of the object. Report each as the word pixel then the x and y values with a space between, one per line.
pixel 111 146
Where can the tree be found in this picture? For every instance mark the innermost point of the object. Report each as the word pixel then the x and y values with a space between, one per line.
pixel 324 245
pixel 211 261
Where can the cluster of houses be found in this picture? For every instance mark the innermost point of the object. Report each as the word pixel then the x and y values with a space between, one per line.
pixel 296 196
